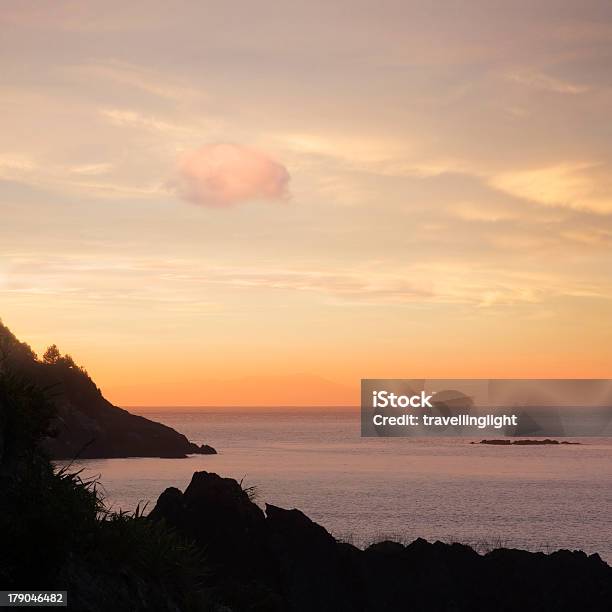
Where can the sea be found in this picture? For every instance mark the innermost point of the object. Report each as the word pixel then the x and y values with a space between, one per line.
pixel 363 490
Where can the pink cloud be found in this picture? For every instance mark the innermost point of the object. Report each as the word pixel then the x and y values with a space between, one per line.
pixel 221 175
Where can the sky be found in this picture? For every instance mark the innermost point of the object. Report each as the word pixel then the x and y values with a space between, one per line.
pixel 254 203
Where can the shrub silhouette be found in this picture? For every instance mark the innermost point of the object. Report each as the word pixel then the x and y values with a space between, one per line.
pixel 57 532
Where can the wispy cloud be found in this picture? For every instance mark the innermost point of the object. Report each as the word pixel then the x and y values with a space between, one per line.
pixel 118 278
pixel 130 118
pixel 138 77
pixel 545 82
pixel 579 186
pixel 82 179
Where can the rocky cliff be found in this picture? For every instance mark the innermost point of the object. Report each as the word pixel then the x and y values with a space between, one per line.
pixel 87 425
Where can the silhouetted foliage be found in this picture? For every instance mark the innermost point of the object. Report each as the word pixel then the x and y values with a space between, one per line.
pixel 51 355
pixel 25 416
pixel 18 354
pixel 57 532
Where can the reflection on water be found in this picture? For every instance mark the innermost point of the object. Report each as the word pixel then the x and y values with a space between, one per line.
pixel 538 497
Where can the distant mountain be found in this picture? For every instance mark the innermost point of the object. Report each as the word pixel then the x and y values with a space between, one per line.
pixel 299 389
pixel 87 425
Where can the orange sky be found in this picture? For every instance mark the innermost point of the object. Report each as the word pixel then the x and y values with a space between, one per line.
pixel 263 205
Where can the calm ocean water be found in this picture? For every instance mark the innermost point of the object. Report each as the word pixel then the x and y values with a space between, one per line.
pixel 362 490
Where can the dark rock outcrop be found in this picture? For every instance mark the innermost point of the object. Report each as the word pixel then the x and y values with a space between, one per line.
pixel 86 424
pixel 281 560
pixel 218 515
pixel 94 428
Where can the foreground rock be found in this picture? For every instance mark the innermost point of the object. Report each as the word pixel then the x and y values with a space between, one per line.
pixel 86 424
pixel 281 560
